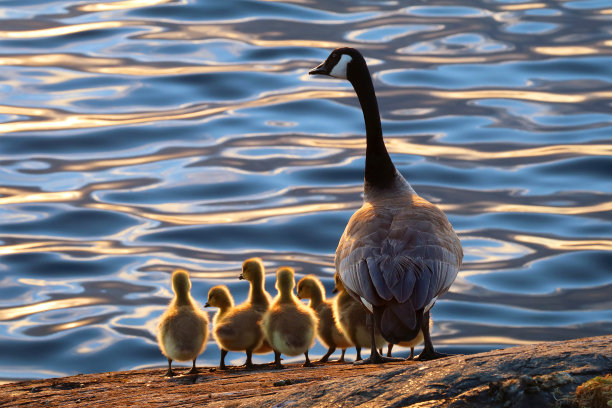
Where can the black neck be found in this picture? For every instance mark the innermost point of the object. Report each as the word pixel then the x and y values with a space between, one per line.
pixel 379 169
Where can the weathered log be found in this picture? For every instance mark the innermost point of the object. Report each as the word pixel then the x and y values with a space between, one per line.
pixel 537 375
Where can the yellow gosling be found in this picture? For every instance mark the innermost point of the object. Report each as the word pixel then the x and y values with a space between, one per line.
pixel 259 300
pixel 234 328
pixel 183 328
pixel 289 326
pixel 351 317
pixel 328 332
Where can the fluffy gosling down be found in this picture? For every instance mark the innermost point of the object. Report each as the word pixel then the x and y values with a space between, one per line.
pixel 289 325
pixel 183 328
pixel 234 328
pixel 328 332
pixel 259 300
pixel 351 317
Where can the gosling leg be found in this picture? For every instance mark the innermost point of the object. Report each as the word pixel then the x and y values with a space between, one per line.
pixel 277 360
pixel 249 361
pixel 222 365
pixel 194 369
pixel 169 373
pixel 330 351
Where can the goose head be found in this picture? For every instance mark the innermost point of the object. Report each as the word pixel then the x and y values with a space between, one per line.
pixel 180 282
pixel 285 281
pixel 219 296
pixel 342 63
pixel 252 270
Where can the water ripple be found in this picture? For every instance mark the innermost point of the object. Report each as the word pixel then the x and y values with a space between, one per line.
pixel 138 136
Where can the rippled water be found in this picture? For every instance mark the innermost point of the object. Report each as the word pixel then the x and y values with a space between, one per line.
pixel 139 136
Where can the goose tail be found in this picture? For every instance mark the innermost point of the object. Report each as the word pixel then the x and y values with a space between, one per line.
pixel 398 322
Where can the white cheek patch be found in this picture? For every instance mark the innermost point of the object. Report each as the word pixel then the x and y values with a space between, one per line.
pixel 339 70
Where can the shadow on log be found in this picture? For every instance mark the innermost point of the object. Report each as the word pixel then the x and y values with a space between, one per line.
pixel 538 375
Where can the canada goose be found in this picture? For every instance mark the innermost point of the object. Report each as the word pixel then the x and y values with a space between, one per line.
pixel 289 325
pixel 259 300
pixel 398 253
pixel 234 328
pixel 310 287
pixel 351 317
pixel 183 328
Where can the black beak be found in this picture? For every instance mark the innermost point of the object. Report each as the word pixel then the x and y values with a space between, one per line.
pixel 321 69
pixel 241 277
pixel 207 304
pixel 335 290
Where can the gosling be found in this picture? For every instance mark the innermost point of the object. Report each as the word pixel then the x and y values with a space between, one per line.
pixel 183 328
pixel 351 317
pixel 289 325
pixel 328 332
pixel 259 300
pixel 234 328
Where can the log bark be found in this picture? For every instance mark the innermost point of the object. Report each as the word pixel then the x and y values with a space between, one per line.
pixel 537 375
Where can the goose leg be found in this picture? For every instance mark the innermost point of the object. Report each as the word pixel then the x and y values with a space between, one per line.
pixel 307 363
pixel 222 365
pixel 193 370
pixel 375 357
pixel 342 356
pixel 169 373
pixel 428 352
pixel 330 351
pixel 358 353
pixel 389 348
pixel 277 360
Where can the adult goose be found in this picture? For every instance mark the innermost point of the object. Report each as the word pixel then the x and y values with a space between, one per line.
pixel 398 253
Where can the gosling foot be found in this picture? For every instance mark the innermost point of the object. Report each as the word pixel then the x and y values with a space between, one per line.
pixel 169 373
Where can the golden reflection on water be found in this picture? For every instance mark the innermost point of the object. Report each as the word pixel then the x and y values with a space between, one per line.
pixel 566 50
pixel 120 5
pixel 545 209
pixel 62 30
pixel 567 244
pixel 523 6
pixel 17 312
pixel 118 66
pixel 62 120
pixel 196 32
pixel 462 340
pixel 27 198
pixel 537 96
pixel 95 247
pixel 229 217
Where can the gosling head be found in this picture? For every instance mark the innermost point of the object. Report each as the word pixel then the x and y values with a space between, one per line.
pixel 285 281
pixel 252 270
pixel 219 296
pixel 340 63
pixel 181 285
pixel 338 286
pixel 309 287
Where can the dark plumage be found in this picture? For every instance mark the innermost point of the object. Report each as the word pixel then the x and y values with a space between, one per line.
pixel 398 253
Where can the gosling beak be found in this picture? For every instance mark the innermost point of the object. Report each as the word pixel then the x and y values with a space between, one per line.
pixel 207 304
pixel 241 277
pixel 335 290
pixel 321 69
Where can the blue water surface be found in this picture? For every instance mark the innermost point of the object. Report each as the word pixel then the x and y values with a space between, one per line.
pixel 137 137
